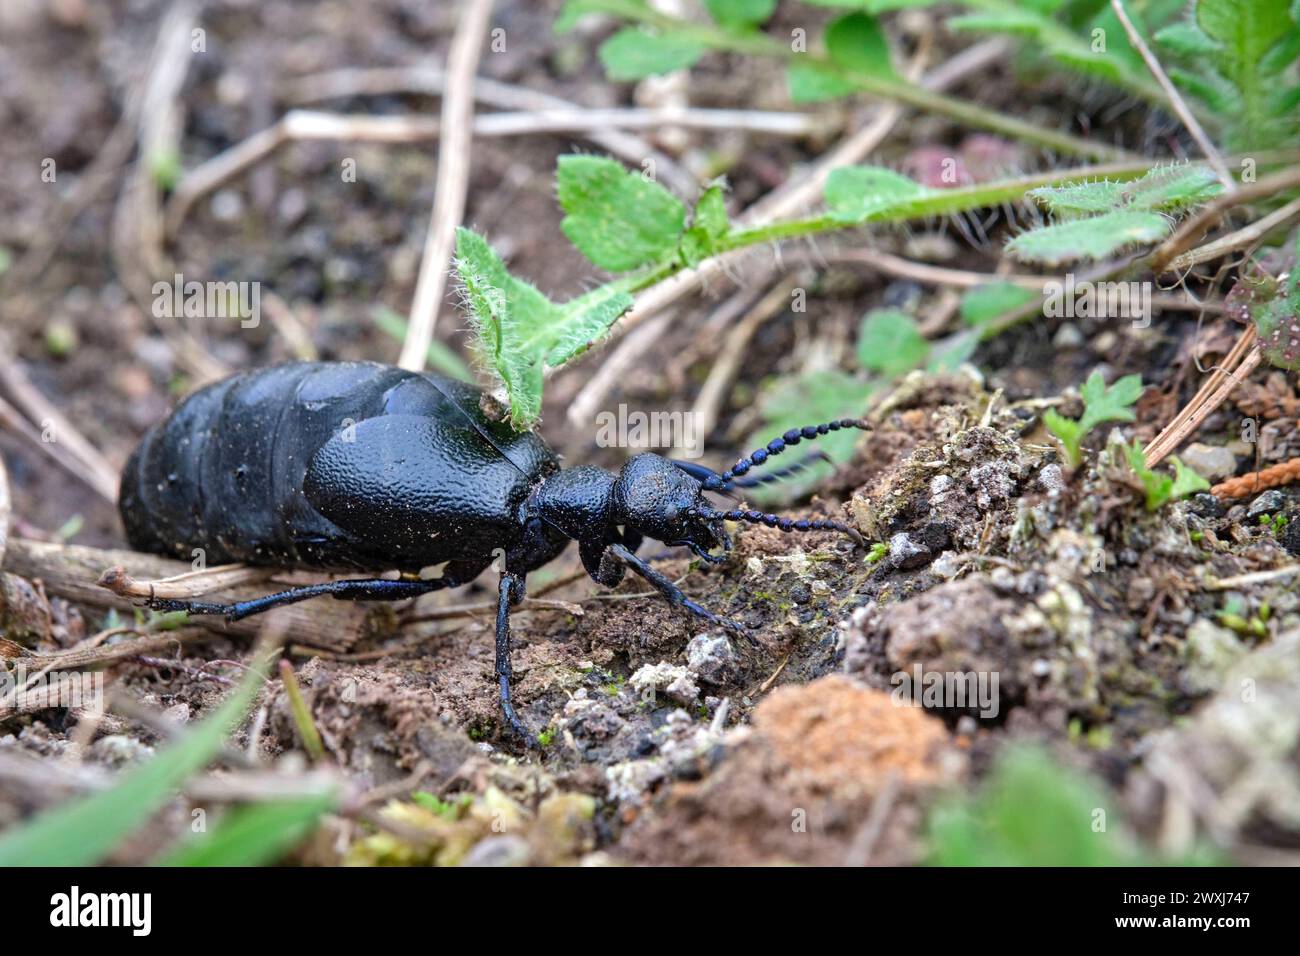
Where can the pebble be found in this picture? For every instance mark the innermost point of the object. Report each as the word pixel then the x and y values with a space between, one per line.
pixel 1270 502
pixel 711 657
pixel 1211 462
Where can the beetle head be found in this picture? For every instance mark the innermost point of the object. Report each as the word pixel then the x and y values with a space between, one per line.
pixel 656 498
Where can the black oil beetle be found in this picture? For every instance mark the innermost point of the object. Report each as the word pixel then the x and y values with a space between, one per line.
pixel 355 466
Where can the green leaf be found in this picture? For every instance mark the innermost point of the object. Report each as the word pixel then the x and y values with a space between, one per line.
pixel 1159 486
pixel 440 357
pixel 633 54
pixel 949 353
pixel 856 42
pixel 1102 403
pixel 1031 811
pixel 1254 40
pixel 985 302
pixel 1186 481
pixel 83 831
pixel 1171 188
pixel 1068 432
pixel 889 342
pixel 1099 196
pixel 1094 238
pixel 740 12
pixel 1185 39
pixel 856 193
pixel 1161 189
pixel 709 226
pixel 617 219
pixel 810 82
pixel 518 331
pixel 254 836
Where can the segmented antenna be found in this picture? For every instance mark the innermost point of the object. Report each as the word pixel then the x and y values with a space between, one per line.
pixel 777 521
pixel 775 447
pixel 702 473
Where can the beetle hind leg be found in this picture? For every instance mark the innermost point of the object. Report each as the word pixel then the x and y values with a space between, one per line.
pixel 364 589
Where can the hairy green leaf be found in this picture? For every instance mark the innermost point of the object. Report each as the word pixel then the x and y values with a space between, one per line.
pixel 1093 238
pixel 889 342
pixel 633 54
pixel 709 225
pixel 617 219
pixel 857 193
pixel 519 331
pixel 1031 811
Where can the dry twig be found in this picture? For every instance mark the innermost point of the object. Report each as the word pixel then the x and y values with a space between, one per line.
pixel 452 182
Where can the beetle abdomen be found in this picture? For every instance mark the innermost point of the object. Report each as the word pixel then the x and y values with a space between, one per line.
pixel 408 471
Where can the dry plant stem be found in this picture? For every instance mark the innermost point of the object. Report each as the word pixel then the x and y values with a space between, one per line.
pixel 1230 362
pixel 1174 435
pixel 136 243
pixel 432 81
pixel 939 275
pixel 70 571
pixel 66 444
pixel 452 181
pixel 1193 228
pixel 1246 485
pixel 1175 98
pixel 309 125
pixel 1254 577
pixel 182 586
pixel 1240 239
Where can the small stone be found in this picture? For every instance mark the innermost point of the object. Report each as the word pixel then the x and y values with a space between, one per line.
pixel 227 206
pixel 675 681
pixel 1210 650
pixel 1068 336
pixel 1051 480
pixel 904 552
pixel 1290 536
pixel 1270 502
pixel 711 657
pixel 1206 505
pixel 1211 462
pixel 503 850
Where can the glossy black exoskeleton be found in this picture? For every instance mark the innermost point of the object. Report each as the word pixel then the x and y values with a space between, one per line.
pixel 354 466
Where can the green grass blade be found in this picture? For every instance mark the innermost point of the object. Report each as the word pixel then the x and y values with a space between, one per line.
pixel 83 831
pixel 254 835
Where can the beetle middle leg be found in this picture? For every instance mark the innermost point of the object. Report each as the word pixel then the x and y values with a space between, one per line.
pixel 511 592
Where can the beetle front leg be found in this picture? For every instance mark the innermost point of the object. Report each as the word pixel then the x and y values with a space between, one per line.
pixel 510 593
pixel 674 594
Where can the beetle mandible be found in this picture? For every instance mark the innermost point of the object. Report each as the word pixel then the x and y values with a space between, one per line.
pixel 357 466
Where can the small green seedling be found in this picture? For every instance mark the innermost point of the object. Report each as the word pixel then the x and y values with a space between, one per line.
pixel 877 552
pixel 1160 486
pixel 1100 404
